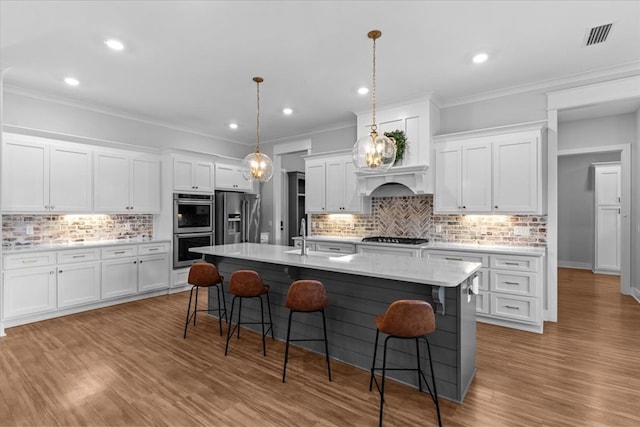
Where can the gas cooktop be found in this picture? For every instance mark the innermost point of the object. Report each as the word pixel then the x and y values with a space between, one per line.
pixel 400 240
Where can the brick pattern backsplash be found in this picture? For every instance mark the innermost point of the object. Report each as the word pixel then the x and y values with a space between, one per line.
pixel 412 216
pixel 54 229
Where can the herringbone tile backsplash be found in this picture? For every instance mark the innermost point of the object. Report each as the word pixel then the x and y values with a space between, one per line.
pixel 412 216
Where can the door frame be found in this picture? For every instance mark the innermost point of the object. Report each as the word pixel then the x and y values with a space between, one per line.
pixel 278 151
pixel 614 90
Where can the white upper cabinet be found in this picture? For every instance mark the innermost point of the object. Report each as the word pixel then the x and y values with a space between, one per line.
pixel 41 175
pixel 229 177
pixel 315 186
pixel 331 185
pixel 500 170
pixel 463 177
pixel 193 175
pixel 126 182
pixel 516 174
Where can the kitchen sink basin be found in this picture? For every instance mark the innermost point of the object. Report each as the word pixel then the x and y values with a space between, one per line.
pixel 312 253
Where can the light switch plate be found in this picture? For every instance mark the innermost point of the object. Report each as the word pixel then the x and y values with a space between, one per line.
pixel 521 231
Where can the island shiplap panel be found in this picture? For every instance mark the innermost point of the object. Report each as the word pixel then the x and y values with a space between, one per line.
pixel 354 301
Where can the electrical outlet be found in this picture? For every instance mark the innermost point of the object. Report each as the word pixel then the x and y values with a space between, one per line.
pixel 352 225
pixel 483 230
pixel 520 231
pixel 438 228
pixel 28 230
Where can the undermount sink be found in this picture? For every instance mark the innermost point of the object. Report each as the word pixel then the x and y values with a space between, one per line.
pixel 311 253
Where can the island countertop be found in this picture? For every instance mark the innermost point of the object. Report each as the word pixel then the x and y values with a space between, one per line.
pixel 415 270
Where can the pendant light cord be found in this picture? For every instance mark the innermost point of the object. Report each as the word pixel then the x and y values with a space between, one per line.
pixel 258 118
pixel 374 127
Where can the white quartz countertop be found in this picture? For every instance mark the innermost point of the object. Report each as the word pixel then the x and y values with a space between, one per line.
pixel 499 249
pixel 80 245
pixel 407 269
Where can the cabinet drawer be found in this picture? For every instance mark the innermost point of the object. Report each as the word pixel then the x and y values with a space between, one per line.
pixel 459 256
pixel 482 303
pixel 516 308
pixel 153 248
pixel 343 248
pixel 374 249
pixel 119 252
pixel 78 255
pixel 524 284
pixel 513 262
pixel 26 260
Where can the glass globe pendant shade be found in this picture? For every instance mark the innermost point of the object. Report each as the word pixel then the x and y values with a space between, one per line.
pixel 257 167
pixel 374 153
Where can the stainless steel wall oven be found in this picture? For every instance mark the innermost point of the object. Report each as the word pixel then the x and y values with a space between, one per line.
pixel 192 226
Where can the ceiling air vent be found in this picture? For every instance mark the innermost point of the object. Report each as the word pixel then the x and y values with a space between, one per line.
pixel 598 34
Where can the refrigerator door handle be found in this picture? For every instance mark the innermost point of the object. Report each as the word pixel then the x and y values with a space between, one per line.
pixel 243 209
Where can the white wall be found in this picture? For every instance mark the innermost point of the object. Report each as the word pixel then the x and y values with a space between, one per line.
pixel 506 110
pixel 635 217
pixel 58 118
pixel 597 132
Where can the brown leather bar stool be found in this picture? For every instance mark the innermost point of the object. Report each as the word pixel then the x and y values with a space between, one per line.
pixel 307 296
pixel 248 284
pixel 405 319
pixel 205 275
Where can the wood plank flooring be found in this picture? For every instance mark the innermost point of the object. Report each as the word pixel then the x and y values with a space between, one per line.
pixel 129 365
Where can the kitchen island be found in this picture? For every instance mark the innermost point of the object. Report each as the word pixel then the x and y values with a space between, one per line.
pixel 361 286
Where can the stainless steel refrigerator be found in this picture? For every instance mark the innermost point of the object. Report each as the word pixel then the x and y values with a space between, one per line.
pixel 237 217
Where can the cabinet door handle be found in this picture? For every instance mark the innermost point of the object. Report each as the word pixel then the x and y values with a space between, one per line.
pixel 512 283
pixel 52 272
pixel 46 206
pixel 512 307
pixel 29 261
pixel 140 262
pixel 60 271
pixel 153 249
pixel 119 252
pixel 135 262
pixel 453 259
pixel 464 207
pixel 78 256
pixel 334 249
pixel 495 207
pixel 512 263
pixel 52 207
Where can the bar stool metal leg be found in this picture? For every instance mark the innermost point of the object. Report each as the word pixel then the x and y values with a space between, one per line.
pixel 373 364
pixel 326 345
pixel 186 323
pixel 286 347
pixel 434 396
pixel 229 330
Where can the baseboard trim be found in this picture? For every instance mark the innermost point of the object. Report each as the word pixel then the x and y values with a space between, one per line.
pixel 574 264
pixel 635 292
pixel 608 272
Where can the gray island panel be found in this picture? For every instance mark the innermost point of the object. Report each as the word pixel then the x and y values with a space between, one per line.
pixel 354 300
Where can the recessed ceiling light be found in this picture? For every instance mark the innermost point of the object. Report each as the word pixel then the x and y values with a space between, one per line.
pixel 233 125
pixel 480 58
pixel 287 111
pixel 363 90
pixel 114 44
pixel 71 81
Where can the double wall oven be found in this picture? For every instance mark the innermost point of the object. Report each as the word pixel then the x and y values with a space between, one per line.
pixel 192 226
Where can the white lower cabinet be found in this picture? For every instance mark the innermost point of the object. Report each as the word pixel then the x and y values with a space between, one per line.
pixel 40 285
pixel 152 272
pixel 510 287
pixel 119 277
pixel 29 291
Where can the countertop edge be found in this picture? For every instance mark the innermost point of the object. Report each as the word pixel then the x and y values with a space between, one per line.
pixel 82 245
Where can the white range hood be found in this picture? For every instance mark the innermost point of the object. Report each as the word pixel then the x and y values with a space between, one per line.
pixel 417 178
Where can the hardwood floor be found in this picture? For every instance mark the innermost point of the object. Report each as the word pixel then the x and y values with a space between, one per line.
pixel 129 365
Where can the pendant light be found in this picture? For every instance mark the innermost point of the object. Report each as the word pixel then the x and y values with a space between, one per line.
pixel 374 153
pixel 257 166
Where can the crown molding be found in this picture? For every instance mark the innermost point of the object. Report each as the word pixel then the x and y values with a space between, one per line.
pixel 308 134
pixel 19 90
pixel 548 84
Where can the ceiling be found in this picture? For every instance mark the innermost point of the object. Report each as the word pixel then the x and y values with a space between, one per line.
pixel 190 64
